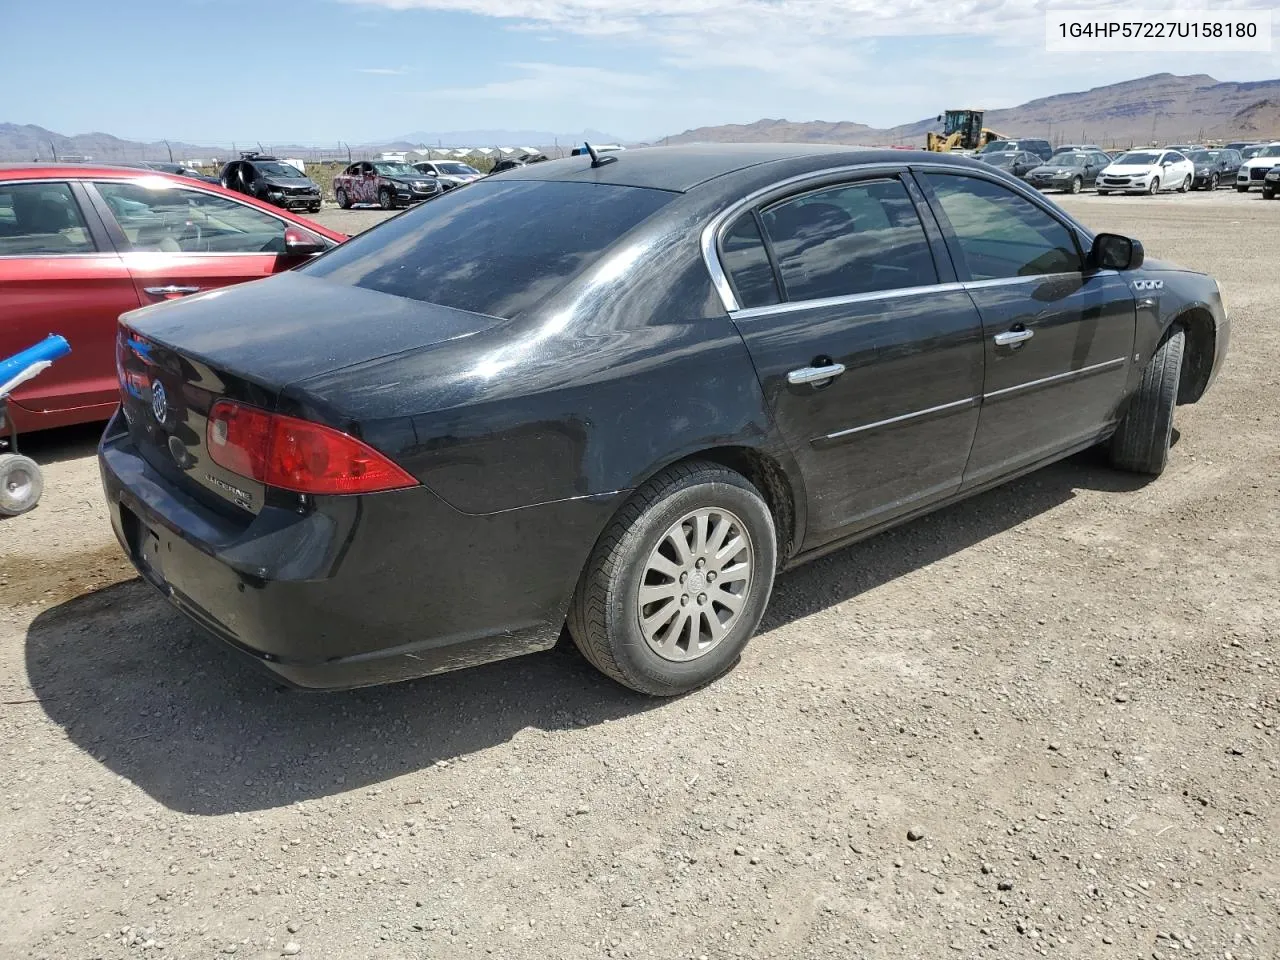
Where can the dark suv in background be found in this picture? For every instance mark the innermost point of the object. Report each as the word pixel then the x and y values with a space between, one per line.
pixel 273 181
pixel 1041 148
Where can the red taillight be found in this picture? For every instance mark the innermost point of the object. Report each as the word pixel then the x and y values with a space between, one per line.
pixel 297 455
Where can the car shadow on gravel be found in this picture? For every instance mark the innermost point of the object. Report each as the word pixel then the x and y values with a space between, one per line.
pixel 203 731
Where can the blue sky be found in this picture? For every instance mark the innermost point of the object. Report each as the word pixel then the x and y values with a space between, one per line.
pixel 318 71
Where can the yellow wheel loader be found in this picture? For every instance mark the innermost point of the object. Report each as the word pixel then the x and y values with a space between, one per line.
pixel 961 130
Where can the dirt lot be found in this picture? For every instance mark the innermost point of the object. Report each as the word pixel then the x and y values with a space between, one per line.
pixel 1067 686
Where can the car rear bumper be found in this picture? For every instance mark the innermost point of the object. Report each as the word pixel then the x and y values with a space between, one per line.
pixel 355 590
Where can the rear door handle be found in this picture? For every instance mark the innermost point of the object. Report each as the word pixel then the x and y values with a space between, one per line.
pixel 1011 337
pixel 815 374
pixel 170 291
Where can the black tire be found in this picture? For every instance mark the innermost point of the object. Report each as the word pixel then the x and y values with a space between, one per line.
pixel 385 200
pixel 343 200
pixel 1186 184
pixel 1240 189
pixel 604 616
pixel 1268 194
pixel 1104 193
pixel 1077 185
pixel 1154 187
pixel 1141 442
pixel 20 484
pixel 1214 182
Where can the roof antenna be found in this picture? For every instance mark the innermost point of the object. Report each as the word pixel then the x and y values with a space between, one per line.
pixel 596 159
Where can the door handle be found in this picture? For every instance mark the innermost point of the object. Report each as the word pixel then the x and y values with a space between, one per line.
pixel 815 374
pixel 1012 337
pixel 170 291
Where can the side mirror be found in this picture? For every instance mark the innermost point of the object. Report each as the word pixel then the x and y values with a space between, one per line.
pixel 302 243
pixel 1111 251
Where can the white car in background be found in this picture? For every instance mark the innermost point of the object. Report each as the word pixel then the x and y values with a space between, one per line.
pixel 1147 171
pixel 1254 170
pixel 450 173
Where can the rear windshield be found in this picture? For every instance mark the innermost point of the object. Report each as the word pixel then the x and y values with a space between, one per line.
pixel 497 247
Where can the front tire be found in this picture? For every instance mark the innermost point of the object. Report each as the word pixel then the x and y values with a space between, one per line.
pixel 20 484
pixel 1104 193
pixel 385 200
pixel 1214 182
pixel 678 582
pixel 1268 194
pixel 1077 185
pixel 1154 188
pixel 1240 189
pixel 1141 442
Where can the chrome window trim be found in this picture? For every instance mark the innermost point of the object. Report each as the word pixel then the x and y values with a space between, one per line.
pixel 1057 378
pixel 1034 278
pixel 709 240
pixel 902 418
pixel 795 306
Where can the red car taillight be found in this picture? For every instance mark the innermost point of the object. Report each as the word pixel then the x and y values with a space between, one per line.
pixel 297 455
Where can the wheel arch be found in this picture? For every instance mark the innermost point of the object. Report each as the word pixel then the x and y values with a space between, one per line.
pixel 778 481
pixel 1197 358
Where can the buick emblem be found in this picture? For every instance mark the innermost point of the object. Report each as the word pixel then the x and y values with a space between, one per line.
pixel 159 401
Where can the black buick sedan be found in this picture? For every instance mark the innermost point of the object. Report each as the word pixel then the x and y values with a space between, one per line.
pixel 620 395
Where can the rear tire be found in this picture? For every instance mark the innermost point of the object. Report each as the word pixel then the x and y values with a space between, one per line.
pixel 20 484
pixel 1186 185
pixel 343 201
pixel 1141 442
pixel 1240 189
pixel 639 552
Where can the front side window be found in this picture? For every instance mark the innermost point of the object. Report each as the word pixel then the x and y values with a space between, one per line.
pixel 856 238
pixel 40 220
pixel 165 219
pixel 747 264
pixel 1000 234
pixel 497 248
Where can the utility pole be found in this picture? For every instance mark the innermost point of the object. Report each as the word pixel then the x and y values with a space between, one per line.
pixel 170 149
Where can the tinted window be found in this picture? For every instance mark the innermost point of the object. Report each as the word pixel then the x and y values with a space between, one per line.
pixel 747 263
pixel 858 238
pixel 1002 234
pixel 1174 157
pixel 176 220
pixel 41 219
pixel 497 247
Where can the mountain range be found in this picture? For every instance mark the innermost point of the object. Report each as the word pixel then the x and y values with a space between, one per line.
pixel 1162 107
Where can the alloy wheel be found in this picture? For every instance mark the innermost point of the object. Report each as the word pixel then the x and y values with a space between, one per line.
pixel 695 584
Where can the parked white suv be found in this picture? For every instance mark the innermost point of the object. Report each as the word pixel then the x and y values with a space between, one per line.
pixel 1254 170
pixel 1147 171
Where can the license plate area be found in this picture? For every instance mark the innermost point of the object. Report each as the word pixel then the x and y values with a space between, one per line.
pixel 144 546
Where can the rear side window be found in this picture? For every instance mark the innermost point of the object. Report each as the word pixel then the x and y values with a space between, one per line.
pixel 851 239
pixel 1002 235
pixel 170 219
pixel 496 248
pixel 41 220
pixel 747 263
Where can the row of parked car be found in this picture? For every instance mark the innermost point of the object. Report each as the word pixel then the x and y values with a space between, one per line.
pixel 1183 167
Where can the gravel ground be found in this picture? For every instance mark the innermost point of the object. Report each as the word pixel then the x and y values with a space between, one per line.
pixel 1042 722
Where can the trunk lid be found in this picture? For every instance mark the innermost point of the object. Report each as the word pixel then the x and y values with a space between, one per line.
pixel 247 344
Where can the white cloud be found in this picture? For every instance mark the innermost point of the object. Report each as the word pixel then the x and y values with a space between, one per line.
pixel 384 71
pixel 548 82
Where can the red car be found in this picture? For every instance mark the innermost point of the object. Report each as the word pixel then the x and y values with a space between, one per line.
pixel 81 244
